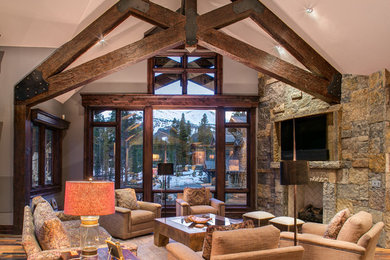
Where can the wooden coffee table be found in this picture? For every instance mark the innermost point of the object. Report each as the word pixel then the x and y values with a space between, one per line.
pixel 179 230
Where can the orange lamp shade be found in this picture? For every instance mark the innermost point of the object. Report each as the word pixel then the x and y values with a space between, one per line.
pixel 89 198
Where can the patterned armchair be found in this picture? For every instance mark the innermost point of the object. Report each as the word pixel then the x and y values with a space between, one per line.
pixel 194 201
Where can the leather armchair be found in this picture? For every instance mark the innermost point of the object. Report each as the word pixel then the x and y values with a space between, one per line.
pixel 214 206
pixel 126 223
pixel 318 247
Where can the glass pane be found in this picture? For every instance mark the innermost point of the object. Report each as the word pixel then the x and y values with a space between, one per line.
pixel 236 117
pixel 167 84
pixel 131 149
pixel 140 196
pixel 235 198
pixel 104 115
pixel 170 197
pixel 236 158
pixel 201 84
pixel 48 156
pixel 104 153
pixel 201 62
pixel 35 156
pixel 167 62
pixel 185 138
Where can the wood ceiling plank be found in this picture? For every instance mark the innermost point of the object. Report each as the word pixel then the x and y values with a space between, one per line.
pixel 109 63
pixel 267 64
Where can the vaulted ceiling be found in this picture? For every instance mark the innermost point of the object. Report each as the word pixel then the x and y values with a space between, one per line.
pixel 353 35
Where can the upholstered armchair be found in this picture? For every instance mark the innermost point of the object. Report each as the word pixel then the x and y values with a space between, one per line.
pixel 357 239
pixel 132 218
pixel 248 244
pixel 198 201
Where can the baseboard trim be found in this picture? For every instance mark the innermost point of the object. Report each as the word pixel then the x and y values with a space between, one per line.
pixel 6 229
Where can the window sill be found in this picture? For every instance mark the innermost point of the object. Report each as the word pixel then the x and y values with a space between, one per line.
pixel 45 190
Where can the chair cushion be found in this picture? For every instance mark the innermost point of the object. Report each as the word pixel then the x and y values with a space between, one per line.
pixel 35 201
pixel 141 216
pixel 49 229
pixel 126 198
pixel 336 224
pixel 209 233
pixel 245 240
pixel 196 196
pixel 203 209
pixel 355 227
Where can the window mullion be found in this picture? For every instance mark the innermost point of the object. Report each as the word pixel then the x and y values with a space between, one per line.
pixel 184 75
pixel 41 167
pixel 118 150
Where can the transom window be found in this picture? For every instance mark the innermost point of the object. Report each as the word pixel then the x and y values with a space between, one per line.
pixel 185 74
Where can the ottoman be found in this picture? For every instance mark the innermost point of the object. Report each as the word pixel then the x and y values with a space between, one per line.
pixel 286 223
pixel 260 218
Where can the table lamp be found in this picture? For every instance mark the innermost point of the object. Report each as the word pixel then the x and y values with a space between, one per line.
pixel 89 200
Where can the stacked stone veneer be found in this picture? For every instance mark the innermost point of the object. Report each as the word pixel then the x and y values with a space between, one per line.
pixel 360 140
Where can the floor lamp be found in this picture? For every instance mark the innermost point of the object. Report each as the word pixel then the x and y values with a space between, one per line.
pixel 294 173
pixel 165 169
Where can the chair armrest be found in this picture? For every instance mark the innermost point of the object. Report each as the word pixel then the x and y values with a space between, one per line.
pixel 321 248
pixel 219 205
pixel 314 228
pixel 285 253
pixel 150 206
pixel 122 210
pixel 182 208
pixel 64 217
pixel 117 224
pixel 178 251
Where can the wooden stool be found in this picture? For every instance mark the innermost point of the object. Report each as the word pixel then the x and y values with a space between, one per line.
pixel 260 218
pixel 286 223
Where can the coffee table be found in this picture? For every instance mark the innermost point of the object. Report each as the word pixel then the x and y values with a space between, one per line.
pixel 179 230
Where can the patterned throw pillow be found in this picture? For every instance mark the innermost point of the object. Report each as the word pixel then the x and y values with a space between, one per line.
pixel 196 196
pixel 126 198
pixel 209 234
pixel 336 224
pixel 49 229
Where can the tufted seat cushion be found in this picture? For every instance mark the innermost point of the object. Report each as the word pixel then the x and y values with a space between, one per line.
pixel 141 216
pixel 203 209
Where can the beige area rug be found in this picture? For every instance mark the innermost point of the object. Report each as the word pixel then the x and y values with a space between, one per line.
pixel 146 248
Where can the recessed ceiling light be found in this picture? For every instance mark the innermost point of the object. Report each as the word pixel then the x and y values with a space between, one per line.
pixel 309 10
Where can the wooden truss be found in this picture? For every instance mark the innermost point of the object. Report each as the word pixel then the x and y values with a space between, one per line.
pixel 49 79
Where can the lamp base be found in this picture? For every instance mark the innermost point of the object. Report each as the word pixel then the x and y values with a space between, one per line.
pixel 89 236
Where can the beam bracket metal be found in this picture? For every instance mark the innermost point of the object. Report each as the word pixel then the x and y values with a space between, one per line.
pixel 243 6
pixel 32 85
pixel 139 5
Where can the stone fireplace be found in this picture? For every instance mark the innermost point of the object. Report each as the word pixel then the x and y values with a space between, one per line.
pixel 356 176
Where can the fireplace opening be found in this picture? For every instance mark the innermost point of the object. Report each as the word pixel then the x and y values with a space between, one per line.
pixel 310 136
pixel 311 204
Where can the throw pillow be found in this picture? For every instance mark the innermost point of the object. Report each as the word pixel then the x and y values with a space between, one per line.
pixel 209 233
pixel 196 196
pixel 126 198
pixel 48 228
pixel 245 240
pixel 355 227
pixel 336 224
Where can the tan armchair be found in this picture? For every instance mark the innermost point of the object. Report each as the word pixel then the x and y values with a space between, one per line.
pixel 183 208
pixel 318 247
pixel 126 223
pixel 248 244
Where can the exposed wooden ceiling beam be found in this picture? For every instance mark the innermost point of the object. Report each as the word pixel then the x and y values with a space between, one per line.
pixel 267 64
pixel 109 63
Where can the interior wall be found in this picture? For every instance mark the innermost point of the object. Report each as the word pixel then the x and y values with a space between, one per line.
pixel 16 63
pixel 238 79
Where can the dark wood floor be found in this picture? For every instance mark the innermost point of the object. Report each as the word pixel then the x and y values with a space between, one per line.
pixel 11 248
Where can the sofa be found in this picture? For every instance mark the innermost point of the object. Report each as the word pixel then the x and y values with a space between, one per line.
pixel 46 233
pixel 131 219
pixel 356 239
pixel 188 203
pixel 247 243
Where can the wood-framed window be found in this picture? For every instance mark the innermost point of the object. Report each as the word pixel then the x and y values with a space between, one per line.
pixel 180 73
pixel 46 146
pixel 210 140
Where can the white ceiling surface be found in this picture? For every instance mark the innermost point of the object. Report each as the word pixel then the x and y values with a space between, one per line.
pixel 353 35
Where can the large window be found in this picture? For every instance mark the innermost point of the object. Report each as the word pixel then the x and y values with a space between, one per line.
pixel 181 73
pixel 45 152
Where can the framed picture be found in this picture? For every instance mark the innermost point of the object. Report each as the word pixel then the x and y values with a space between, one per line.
pixel 115 250
pixel 53 203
